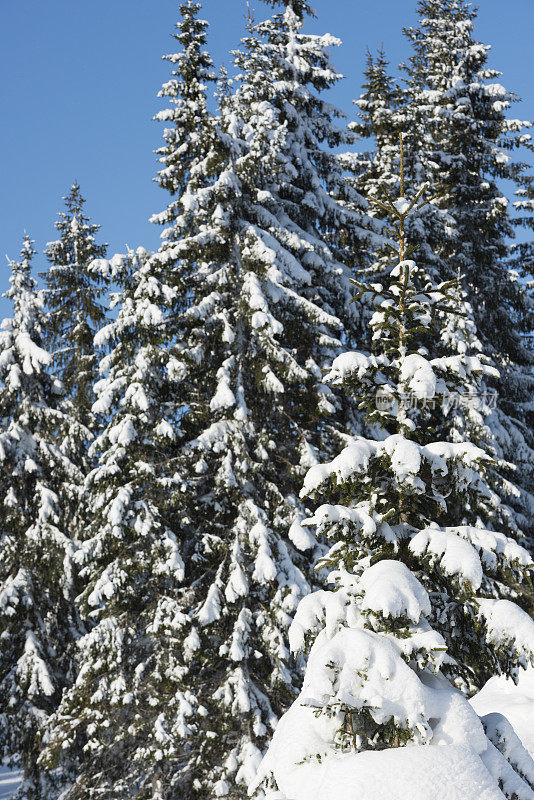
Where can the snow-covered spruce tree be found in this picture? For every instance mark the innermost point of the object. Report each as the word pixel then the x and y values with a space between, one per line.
pixel 120 730
pixel 454 118
pixel 255 323
pixel 522 261
pixel 380 118
pixel 75 313
pixel 107 738
pixel 473 146
pixel 38 622
pixel 385 111
pixel 185 142
pixel 416 607
pixel 467 412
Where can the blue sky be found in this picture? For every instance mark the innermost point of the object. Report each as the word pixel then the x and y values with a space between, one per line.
pixel 79 85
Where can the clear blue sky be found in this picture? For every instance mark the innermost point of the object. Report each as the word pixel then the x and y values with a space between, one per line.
pixel 79 85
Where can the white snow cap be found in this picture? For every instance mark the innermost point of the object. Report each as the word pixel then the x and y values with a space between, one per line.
pixel 390 589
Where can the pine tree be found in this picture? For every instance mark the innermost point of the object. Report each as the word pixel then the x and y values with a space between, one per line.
pixel 38 622
pixel 454 118
pixel 107 737
pixel 419 605
pixel 72 295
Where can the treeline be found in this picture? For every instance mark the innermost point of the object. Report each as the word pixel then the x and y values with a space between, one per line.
pixel 152 554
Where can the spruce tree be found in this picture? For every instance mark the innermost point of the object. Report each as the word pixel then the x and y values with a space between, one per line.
pixel 38 622
pixel 418 606
pixel 455 94
pixel 256 320
pixel 75 313
pixel 379 118
pixel 454 118
pixel 185 142
pixel 107 736
pixel 122 739
pixel 126 739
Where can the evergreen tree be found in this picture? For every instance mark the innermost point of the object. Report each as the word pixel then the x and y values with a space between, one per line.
pixel 379 118
pixel 125 738
pixel 73 292
pixel 185 142
pixel 107 737
pixel 256 319
pixel 38 622
pixel 418 603
pixel 464 109
pixel 454 118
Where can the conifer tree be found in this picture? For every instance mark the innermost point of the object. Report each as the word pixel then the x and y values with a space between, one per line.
pixel 256 319
pixel 454 93
pixel 418 605
pixel 185 142
pixel 379 118
pixel 75 313
pixel 454 118
pixel 107 737
pixel 38 622
pixel 126 741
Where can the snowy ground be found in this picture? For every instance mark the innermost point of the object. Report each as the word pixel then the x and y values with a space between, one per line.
pixel 516 703
pixel 8 782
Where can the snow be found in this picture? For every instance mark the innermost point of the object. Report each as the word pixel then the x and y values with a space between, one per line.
pixel 353 364
pixel 354 458
pixel 224 396
pixel 261 316
pixel 9 782
pixel 417 373
pixel 507 623
pixel 165 430
pixel 390 589
pixel 399 270
pixel 456 556
pixel 123 433
pixel 271 383
pixel 515 702
pixel 237 585
pixel 300 536
pixel 439 452
pixel 450 772
pixel 506 741
pixel 11 591
pixel 265 569
pixel 337 513
pixel 360 669
pixel 494 546
pixel 452 760
pixel 32 669
pixel 211 609
pixel 317 610
pixel 405 456
pixel 401 205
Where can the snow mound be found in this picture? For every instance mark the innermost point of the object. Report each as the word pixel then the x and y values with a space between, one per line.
pixel 452 755
pixel 516 703
pixel 449 772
